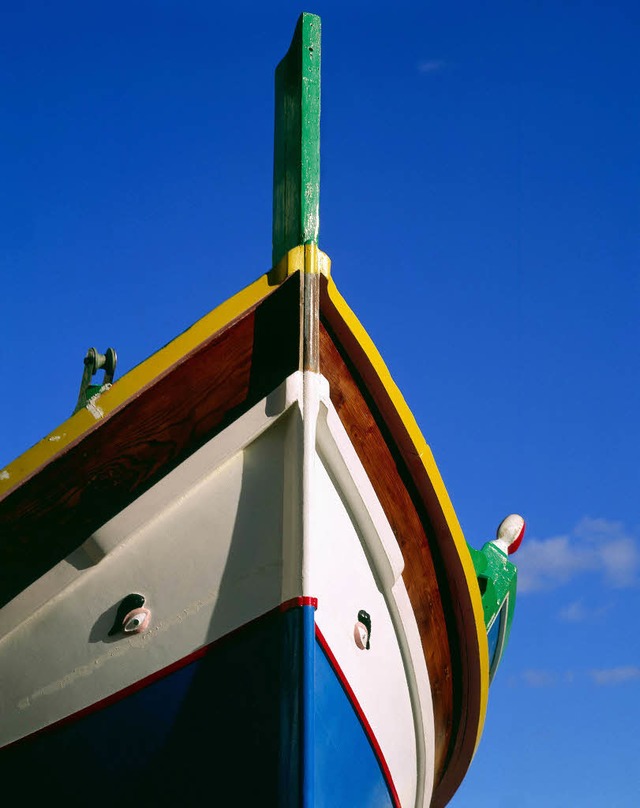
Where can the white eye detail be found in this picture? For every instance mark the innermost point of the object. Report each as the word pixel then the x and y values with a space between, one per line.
pixel 136 621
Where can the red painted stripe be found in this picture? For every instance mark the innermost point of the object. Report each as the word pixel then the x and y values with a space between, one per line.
pixel 294 603
pixel 127 691
pixel 361 716
pixel 163 672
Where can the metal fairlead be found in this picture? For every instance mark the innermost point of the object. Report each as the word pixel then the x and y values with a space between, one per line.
pixel 93 362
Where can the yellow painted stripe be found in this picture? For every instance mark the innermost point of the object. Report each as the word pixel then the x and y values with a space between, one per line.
pixel 429 463
pixel 304 258
pixel 134 381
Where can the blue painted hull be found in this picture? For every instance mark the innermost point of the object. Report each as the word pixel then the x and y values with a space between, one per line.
pixel 261 718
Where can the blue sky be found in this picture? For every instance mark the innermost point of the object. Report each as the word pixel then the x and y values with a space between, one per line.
pixel 479 201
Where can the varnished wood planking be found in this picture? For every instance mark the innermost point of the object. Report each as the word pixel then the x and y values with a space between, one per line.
pixel 420 576
pixel 56 509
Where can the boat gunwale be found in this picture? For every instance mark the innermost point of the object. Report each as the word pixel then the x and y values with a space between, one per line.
pixel 145 374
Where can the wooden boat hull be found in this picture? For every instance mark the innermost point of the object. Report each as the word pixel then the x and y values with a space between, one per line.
pixel 224 486
pixel 216 547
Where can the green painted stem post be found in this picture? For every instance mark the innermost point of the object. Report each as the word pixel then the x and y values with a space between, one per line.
pixel 296 165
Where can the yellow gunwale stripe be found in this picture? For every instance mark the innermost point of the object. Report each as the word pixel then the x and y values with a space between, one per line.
pixel 428 462
pixel 74 428
pixel 134 381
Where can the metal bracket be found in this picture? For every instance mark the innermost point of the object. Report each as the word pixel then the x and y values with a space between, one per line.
pixel 93 362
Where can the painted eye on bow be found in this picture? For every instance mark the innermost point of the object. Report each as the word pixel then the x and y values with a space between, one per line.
pixel 136 621
pixel 131 617
pixel 361 635
pixel 362 631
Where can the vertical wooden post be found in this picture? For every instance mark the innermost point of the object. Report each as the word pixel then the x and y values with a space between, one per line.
pixel 296 166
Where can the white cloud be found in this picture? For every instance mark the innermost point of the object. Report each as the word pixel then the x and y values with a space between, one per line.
pixel 431 66
pixel 538 678
pixel 575 612
pixel 615 676
pixel 541 677
pixel 578 612
pixel 597 546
